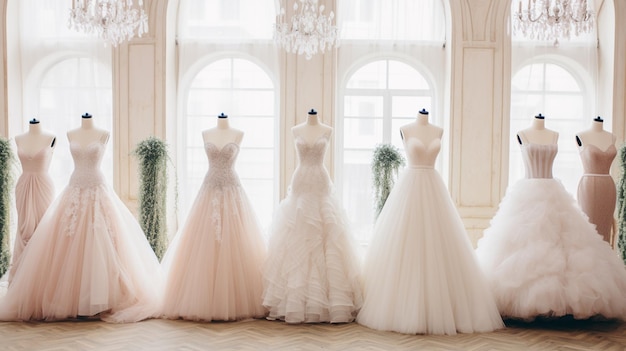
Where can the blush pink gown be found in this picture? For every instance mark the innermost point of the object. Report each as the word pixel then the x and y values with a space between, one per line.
pixel 213 266
pixel 596 190
pixel 87 258
pixel 34 191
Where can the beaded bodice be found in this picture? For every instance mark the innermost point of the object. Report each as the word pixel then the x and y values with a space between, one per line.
pixel 538 159
pixel 221 165
pixel 311 176
pixel 87 160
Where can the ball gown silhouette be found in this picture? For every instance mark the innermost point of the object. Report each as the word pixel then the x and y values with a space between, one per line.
pixel 213 266
pixel 421 274
pixel 312 272
pixel 541 255
pixel 597 194
pixel 34 192
pixel 88 256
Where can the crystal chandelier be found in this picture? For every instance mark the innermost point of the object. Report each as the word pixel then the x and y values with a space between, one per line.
pixel 553 19
pixel 308 31
pixel 112 20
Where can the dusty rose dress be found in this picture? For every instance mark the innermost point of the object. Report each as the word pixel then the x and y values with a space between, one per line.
pixel 596 189
pixel 34 192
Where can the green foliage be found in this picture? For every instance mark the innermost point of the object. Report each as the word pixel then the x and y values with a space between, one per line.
pixel 6 185
pixel 152 155
pixel 621 204
pixel 385 164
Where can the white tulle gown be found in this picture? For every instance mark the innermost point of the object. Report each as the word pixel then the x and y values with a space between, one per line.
pixel 421 274
pixel 312 273
pixel 88 256
pixel 543 257
pixel 213 266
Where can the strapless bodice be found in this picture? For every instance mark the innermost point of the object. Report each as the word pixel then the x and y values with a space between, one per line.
pixel 420 155
pixel 311 176
pixel 538 159
pixel 221 165
pixel 87 160
pixel 36 163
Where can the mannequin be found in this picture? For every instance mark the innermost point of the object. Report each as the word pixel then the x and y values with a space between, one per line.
pixel 35 139
pixel 421 129
pixel 87 133
pixel 222 134
pixel 596 135
pixel 538 133
pixel 596 190
pixel 312 129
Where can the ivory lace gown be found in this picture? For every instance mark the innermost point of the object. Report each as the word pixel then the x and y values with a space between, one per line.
pixel 541 255
pixel 312 272
pixel 421 274
pixel 213 266
pixel 34 191
pixel 596 190
pixel 87 257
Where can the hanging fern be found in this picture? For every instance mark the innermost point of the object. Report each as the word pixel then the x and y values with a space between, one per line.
pixel 386 162
pixel 6 185
pixel 621 204
pixel 152 155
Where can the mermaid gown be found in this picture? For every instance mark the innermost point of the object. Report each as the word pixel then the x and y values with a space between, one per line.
pixel 596 190
pixel 541 255
pixel 213 266
pixel 311 274
pixel 421 274
pixel 88 256
pixel 34 191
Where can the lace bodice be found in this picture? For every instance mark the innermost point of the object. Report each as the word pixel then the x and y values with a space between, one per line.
pixel 37 163
pixel 311 176
pixel 221 165
pixel 87 160
pixel 421 155
pixel 596 161
pixel 538 159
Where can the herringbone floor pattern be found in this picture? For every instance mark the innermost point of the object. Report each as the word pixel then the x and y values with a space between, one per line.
pixel 265 335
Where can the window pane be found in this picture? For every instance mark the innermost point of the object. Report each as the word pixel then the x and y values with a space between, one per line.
pixel 370 76
pixel 558 79
pixel 363 106
pixel 403 76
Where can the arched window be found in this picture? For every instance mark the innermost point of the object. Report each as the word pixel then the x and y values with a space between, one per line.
pixel 391 64
pixel 558 81
pixel 228 65
pixel 57 75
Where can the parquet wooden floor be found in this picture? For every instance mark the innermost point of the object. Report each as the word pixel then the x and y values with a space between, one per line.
pixel 265 335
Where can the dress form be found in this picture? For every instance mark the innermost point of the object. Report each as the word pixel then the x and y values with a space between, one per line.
pixel 538 133
pixel 312 129
pixel 222 134
pixel 421 129
pixel 87 133
pixel 35 139
pixel 596 135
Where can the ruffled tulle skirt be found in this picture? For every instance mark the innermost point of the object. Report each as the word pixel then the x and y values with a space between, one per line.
pixel 421 275
pixel 543 258
pixel 213 266
pixel 87 257
pixel 312 272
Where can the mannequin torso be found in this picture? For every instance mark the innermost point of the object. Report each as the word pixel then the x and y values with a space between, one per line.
pixel 421 129
pixel 87 133
pixel 311 130
pixel 35 140
pixel 596 136
pixel 537 134
pixel 222 134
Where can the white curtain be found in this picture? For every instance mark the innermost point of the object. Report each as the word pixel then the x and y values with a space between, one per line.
pixel 56 76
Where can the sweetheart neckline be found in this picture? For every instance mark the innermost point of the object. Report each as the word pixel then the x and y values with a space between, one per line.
pixel 421 142
pixel 324 136
pixel 223 146
pixel 36 153
pixel 603 151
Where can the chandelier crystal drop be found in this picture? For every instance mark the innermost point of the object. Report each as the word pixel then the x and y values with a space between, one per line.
pixel 553 19
pixel 308 31
pixel 115 21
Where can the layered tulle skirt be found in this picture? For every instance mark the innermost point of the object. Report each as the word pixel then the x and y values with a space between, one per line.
pixel 214 264
pixel 542 257
pixel 312 271
pixel 87 258
pixel 421 275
